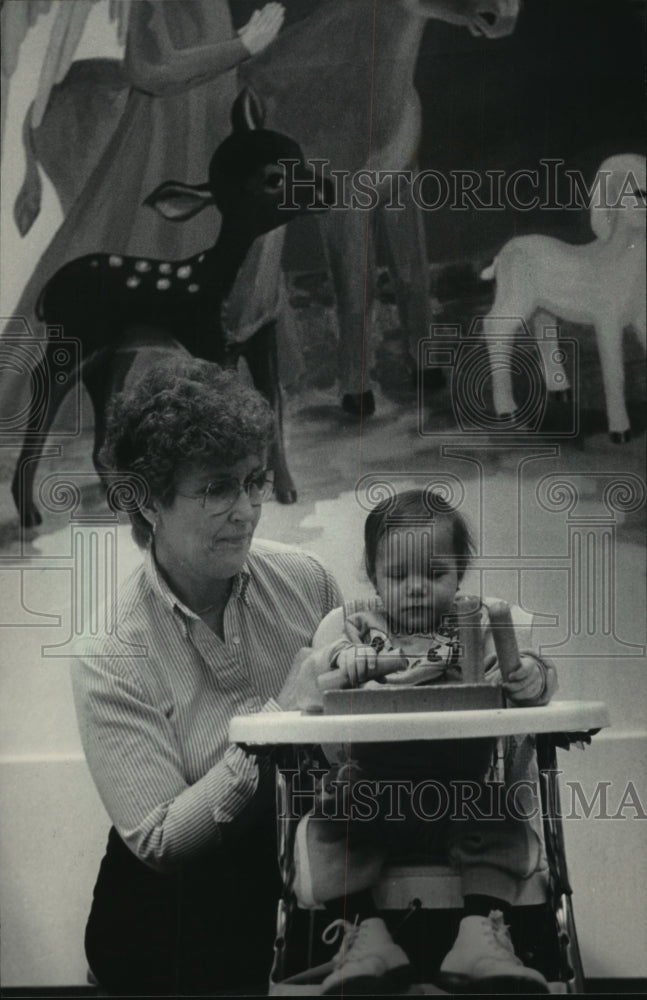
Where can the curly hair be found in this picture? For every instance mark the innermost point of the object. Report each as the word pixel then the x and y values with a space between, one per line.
pixel 182 411
pixel 413 505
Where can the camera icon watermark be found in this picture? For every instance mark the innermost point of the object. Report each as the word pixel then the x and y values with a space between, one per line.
pixel 500 358
pixel 30 368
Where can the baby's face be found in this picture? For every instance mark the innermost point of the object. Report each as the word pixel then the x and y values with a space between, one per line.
pixel 417 576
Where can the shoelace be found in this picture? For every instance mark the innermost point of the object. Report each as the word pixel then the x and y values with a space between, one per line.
pixel 350 932
pixel 334 931
pixel 501 933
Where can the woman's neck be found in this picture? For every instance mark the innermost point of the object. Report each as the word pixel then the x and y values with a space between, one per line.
pixel 206 598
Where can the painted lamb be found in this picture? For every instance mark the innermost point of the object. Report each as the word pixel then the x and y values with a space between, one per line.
pixel 601 283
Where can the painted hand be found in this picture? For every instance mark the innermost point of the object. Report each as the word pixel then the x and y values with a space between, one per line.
pixel 262 28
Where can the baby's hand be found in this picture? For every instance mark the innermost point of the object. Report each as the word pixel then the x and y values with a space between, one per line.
pixel 363 663
pixel 526 682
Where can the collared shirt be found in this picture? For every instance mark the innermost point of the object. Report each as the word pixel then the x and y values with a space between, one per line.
pixel 154 701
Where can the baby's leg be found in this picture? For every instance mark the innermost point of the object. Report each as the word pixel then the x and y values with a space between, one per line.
pixel 493 855
pixel 336 853
pixel 338 859
pixel 334 858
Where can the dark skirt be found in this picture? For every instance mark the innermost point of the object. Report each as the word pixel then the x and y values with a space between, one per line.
pixel 208 927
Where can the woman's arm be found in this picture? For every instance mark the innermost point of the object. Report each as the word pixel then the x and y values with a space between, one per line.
pixel 330 629
pixel 137 766
pixel 157 66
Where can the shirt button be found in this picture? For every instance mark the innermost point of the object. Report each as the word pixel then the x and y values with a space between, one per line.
pixel 236 640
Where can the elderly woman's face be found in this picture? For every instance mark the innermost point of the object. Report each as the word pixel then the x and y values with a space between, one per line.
pixel 194 537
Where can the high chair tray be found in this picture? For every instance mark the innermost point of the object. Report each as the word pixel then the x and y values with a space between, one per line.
pixel 282 728
pixel 390 698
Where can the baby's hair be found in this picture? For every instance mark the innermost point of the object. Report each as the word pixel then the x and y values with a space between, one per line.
pixel 407 509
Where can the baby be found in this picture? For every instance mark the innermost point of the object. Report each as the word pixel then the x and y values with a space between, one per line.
pixel 417 548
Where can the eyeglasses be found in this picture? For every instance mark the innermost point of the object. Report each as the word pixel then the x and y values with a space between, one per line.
pixel 222 494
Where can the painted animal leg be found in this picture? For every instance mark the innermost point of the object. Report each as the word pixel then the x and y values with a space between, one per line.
pixel 639 326
pixel 552 355
pixel 49 393
pixel 500 344
pixel 609 336
pixel 406 248
pixel 104 376
pixel 348 240
pixel 261 356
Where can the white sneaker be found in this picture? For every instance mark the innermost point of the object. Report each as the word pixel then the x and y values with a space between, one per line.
pixel 369 960
pixel 483 954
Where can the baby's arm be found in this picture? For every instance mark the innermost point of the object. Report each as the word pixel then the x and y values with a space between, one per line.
pixel 340 643
pixel 364 663
pixel 546 668
pixel 534 680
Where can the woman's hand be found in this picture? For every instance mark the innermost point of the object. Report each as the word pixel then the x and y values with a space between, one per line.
pixel 526 682
pixel 262 28
pixel 300 689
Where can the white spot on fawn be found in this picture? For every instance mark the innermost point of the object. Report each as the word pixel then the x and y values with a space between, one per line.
pixel 114 260
pixel 200 258
pixel 94 263
pixel 194 288
pixel 143 265
pixel 132 282
pixel 184 271
pixel 165 268
pixel 163 284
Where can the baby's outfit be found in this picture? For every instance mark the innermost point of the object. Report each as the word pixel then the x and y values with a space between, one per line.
pixel 430 658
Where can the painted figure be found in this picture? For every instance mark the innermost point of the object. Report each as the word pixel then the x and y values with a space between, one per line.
pixel 180 67
pixel 601 283
pixel 108 302
pixel 342 80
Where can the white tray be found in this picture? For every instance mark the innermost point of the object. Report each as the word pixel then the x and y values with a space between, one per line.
pixel 281 728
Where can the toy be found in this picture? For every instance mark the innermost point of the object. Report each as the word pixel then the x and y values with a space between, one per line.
pixel 473 693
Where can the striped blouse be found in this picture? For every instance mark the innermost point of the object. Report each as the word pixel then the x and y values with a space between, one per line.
pixel 154 707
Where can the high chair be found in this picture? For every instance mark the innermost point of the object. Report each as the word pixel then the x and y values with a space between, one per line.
pixel 420 900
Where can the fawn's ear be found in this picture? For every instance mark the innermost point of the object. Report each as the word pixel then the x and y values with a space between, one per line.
pixel 247 111
pixel 178 202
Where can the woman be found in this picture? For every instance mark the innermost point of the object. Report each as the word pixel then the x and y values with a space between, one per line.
pixel 186 895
